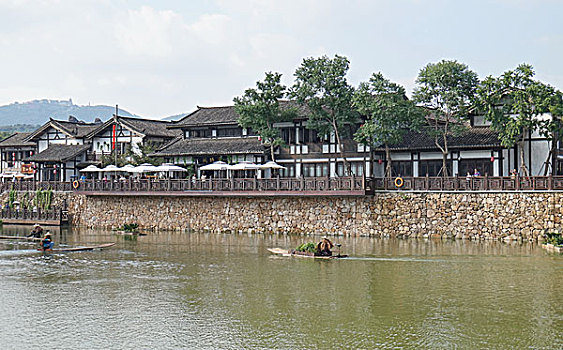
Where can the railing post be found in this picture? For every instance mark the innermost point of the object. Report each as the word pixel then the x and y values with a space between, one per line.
pixel 486 182
pixel 517 185
pixel 550 182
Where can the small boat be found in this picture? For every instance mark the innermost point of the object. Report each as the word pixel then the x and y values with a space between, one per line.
pixel 78 249
pixel 285 252
pixel 25 238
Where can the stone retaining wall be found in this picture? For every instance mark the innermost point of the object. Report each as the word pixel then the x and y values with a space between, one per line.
pixel 447 215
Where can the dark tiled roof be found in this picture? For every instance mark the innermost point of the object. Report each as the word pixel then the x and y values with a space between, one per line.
pixel 150 127
pixel 225 115
pixel 475 138
pixel 147 127
pixel 212 146
pixel 17 140
pixel 58 153
pixel 77 130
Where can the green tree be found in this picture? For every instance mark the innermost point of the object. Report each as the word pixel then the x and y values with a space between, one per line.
pixel 447 89
pixel 514 104
pixel 389 115
pixel 259 109
pixel 321 84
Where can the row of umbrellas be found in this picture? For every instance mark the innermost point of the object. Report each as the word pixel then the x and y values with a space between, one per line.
pixel 167 167
pixel 143 168
pixel 241 166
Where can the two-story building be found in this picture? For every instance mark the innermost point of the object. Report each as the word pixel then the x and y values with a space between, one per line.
pixel 13 150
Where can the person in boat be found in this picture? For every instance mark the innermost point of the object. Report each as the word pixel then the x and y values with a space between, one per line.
pixel 47 242
pixel 324 247
pixel 37 231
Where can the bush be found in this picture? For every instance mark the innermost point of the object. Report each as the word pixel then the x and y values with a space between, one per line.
pixel 129 227
pixel 307 247
pixel 554 238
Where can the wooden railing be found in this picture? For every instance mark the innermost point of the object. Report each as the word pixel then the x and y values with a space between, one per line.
pixel 29 185
pixel 474 183
pixel 55 214
pixel 311 184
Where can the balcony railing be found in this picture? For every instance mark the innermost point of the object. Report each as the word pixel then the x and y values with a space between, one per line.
pixel 474 183
pixel 29 185
pixel 305 184
pixel 22 215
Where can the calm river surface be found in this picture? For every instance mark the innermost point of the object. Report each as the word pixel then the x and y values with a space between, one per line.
pixel 226 291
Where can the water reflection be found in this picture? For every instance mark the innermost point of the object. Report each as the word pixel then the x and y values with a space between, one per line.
pixel 199 290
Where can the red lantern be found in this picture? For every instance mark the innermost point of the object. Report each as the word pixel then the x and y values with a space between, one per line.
pixel 492 159
pixel 380 161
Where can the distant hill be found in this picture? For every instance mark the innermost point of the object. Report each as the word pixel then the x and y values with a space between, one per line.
pixel 37 112
pixel 176 117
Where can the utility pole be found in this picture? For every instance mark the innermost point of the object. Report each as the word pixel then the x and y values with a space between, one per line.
pixel 115 132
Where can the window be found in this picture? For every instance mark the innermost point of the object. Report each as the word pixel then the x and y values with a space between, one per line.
pixel 485 166
pixel 289 170
pixel 229 132
pixel 315 169
pixel 402 168
pixel 433 167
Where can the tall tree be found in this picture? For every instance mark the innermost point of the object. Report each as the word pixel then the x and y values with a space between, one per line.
pixel 259 109
pixel 321 84
pixel 514 103
pixel 447 89
pixel 389 115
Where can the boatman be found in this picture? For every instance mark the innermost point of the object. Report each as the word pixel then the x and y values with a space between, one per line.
pixel 47 243
pixel 324 247
pixel 37 231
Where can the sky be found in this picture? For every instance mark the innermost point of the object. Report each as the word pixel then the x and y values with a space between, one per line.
pixel 161 58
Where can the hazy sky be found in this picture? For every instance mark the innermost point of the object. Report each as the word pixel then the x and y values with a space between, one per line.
pixel 158 58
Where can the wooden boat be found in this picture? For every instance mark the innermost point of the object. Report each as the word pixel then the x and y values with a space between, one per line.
pixel 128 233
pixel 20 238
pixel 78 249
pixel 285 252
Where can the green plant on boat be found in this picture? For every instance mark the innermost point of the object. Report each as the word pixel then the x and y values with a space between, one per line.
pixel 554 238
pixel 129 227
pixel 309 247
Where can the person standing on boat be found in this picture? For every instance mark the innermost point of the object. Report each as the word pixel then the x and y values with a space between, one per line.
pixel 37 231
pixel 47 243
pixel 324 247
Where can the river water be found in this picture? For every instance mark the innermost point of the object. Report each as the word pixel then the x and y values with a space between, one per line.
pixel 226 291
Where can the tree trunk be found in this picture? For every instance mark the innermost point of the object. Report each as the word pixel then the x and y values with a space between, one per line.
pixel 272 151
pixel 347 167
pixel 444 164
pixel 523 166
pixel 388 161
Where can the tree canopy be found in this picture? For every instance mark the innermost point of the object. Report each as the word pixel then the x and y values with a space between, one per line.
pixel 514 104
pixel 389 114
pixel 260 108
pixel 321 84
pixel 447 89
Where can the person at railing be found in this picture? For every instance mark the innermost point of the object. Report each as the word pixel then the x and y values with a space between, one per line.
pixel 476 172
pixel 468 176
pixel 37 231
pixel 47 243
pixel 513 174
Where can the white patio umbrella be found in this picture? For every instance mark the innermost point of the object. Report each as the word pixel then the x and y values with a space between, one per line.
pixel 111 168
pixel 245 166
pixel 167 167
pixel 145 168
pixel 128 168
pixel 271 165
pixel 216 166
pixel 91 169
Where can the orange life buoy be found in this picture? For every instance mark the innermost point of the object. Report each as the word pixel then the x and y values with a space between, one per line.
pixel 399 182
pixel 75 184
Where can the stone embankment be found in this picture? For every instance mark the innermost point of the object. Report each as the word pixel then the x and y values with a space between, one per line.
pixel 446 215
